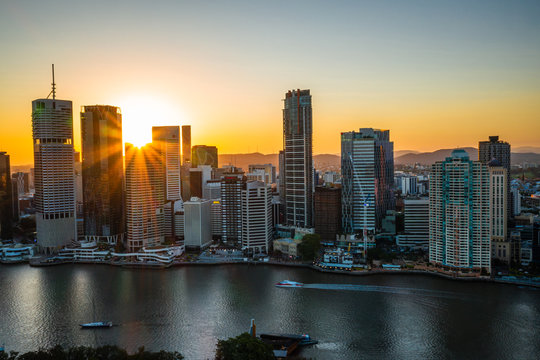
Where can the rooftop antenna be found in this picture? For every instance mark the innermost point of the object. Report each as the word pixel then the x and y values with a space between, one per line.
pixel 53 91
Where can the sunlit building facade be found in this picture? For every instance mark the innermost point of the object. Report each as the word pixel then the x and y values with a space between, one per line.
pixel 144 197
pixel 256 217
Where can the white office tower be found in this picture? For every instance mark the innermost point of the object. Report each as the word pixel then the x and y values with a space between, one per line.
pixel 198 226
pixel 52 131
pixel 497 200
pixel 166 141
pixel 212 190
pixel 144 197
pixel 459 214
pixel 416 234
pixel 256 217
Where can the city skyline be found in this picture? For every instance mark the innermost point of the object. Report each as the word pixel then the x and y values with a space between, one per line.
pixel 425 71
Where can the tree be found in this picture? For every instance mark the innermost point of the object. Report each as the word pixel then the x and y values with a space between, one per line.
pixel 309 247
pixel 243 347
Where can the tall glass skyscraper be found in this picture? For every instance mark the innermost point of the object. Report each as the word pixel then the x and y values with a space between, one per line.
pixel 166 141
pixel 298 159
pixel 367 167
pixel 6 198
pixel 459 213
pixel 52 130
pixel 102 173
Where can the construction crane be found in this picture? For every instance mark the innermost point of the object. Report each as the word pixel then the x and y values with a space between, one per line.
pixel 365 205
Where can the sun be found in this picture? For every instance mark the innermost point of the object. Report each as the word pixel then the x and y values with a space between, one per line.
pixel 140 113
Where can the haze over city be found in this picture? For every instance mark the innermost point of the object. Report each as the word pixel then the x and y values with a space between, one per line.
pixel 439 75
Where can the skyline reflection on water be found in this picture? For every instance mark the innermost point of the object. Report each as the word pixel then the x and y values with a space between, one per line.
pixel 188 309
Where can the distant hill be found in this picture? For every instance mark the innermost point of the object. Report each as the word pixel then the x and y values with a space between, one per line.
pixel 322 161
pixel 526 149
pixel 398 153
pixel 428 158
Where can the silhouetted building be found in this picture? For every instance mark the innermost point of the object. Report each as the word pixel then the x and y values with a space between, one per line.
pixel 102 173
pixel 186 143
pixel 232 184
pixel 22 180
pixel 6 198
pixel 298 159
pixel 196 182
pixel 327 212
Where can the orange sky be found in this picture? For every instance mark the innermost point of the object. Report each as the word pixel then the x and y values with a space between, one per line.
pixel 435 77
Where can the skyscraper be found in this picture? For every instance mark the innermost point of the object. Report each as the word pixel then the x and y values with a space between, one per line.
pixel 6 198
pixel 499 150
pixel 459 214
pixel 144 197
pixel 186 143
pixel 102 173
pixel 367 166
pixel 327 212
pixel 298 160
pixel 52 130
pixel 232 184
pixel 256 217
pixel 166 141
pixel 204 155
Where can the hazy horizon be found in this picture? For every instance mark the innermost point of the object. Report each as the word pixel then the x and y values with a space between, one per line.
pixel 438 75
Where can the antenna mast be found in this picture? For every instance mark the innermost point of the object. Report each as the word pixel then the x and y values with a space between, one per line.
pixel 53 84
pixel 53 91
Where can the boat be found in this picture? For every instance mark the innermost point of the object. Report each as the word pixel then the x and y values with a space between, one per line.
pixel 289 284
pixel 99 324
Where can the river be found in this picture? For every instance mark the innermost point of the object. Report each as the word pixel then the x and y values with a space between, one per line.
pixel 187 309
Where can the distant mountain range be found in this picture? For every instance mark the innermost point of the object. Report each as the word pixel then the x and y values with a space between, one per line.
pixel 401 157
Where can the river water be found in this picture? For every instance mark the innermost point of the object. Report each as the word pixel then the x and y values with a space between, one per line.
pixel 187 309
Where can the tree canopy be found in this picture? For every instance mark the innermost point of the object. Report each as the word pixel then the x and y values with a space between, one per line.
pixel 309 247
pixel 243 347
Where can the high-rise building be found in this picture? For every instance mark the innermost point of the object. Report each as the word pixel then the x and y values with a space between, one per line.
pixel 499 150
pixel 166 141
pixel 52 130
pixel 215 209
pixel 256 217
pixel 186 143
pixel 204 155
pixel 367 167
pixel 298 159
pixel 498 201
pixel 327 212
pixel 102 173
pixel 232 184
pixel 198 225
pixel 416 224
pixel 22 180
pixel 268 170
pixel 196 182
pixel 459 214
pixel 144 197
pixel 6 198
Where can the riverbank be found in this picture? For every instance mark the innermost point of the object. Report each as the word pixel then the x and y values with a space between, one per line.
pixel 43 262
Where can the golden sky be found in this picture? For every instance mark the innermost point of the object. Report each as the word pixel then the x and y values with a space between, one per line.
pixel 437 74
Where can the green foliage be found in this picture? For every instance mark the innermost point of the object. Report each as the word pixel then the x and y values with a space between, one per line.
pixel 310 246
pixel 243 347
pixel 107 352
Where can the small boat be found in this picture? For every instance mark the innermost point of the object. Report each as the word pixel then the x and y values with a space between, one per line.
pixel 99 324
pixel 289 284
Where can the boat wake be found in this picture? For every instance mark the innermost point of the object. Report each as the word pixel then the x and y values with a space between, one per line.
pixel 381 289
